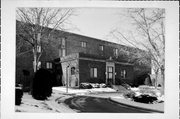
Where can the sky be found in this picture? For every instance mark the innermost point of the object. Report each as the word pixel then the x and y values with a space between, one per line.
pixel 99 22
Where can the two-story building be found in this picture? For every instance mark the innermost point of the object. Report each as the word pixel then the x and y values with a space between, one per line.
pixel 83 59
pixel 92 60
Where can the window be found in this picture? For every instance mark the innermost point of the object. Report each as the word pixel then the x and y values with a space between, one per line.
pixel 62 47
pixel 49 65
pixel 116 52
pixel 63 43
pixel 123 73
pixel 93 72
pixel 63 52
pixel 101 47
pixel 83 44
pixel 72 70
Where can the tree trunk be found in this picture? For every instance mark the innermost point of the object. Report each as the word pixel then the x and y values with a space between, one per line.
pixel 35 60
pixel 163 81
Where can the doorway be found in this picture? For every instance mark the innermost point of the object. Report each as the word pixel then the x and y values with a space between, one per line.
pixel 110 73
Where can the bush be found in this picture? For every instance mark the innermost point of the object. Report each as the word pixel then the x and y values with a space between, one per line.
pixel 42 84
pixel 127 86
pixel 129 94
pixel 102 85
pixel 85 86
pixel 145 99
pixel 149 90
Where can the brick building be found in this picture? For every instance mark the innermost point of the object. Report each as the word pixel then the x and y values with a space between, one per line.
pixel 83 59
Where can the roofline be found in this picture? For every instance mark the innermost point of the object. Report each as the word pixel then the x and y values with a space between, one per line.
pixel 101 40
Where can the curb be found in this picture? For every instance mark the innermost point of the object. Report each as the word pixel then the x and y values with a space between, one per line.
pixel 137 107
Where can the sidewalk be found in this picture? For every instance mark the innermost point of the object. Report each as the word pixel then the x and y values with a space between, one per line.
pixel 153 107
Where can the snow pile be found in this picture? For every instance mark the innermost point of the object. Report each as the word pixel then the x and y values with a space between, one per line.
pixel 31 105
pixel 147 90
pixel 101 90
pixel 53 104
pixel 83 91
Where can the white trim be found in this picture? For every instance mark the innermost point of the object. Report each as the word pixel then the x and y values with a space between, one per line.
pixel 98 60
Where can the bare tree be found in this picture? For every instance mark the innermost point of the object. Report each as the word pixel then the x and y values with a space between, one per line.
pixel 150 27
pixel 36 27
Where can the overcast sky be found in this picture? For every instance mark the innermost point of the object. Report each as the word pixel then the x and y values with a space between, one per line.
pixel 99 22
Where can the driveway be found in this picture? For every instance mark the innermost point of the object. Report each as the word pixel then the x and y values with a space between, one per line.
pixel 99 105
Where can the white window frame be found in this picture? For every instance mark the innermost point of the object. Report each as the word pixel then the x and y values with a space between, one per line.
pixel 115 52
pixel 63 52
pixel 83 44
pixel 49 65
pixel 63 43
pixel 93 72
pixel 123 73
pixel 101 47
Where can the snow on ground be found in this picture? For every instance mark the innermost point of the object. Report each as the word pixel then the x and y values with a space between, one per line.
pixel 30 104
pixel 83 91
pixel 55 102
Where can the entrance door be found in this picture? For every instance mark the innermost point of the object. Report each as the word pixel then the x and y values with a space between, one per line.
pixel 110 75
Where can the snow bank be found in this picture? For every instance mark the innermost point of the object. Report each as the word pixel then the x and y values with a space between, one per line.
pixel 83 91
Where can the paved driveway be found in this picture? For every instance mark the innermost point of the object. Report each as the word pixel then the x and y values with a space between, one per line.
pixel 99 105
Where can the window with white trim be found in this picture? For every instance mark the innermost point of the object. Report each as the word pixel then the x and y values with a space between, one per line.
pixel 83 44
pixel 49 65
pixel 115 52
pixel 63 52
pixel 63 43
pixel 123 73
pixel 101 47
pixel 62 47
pixel 93 72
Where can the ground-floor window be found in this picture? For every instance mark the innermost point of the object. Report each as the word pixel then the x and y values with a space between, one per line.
pixel 49 65
pixel 63 52
pixel 93 72
pixel 123 73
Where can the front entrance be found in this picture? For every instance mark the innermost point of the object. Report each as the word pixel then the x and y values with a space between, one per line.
pixel 110 73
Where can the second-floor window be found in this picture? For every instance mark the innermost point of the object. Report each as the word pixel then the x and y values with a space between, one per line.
pixel 101 47
pixel 83 44
pixel 115 52
pixel 62 47
pixel 63 43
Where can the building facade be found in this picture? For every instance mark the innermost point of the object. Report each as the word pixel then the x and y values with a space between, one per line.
pixel 83 59
pixel 79 68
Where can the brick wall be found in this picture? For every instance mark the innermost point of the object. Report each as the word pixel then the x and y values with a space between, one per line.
pixel 129 74
pixel 73 45
pixel 84 71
